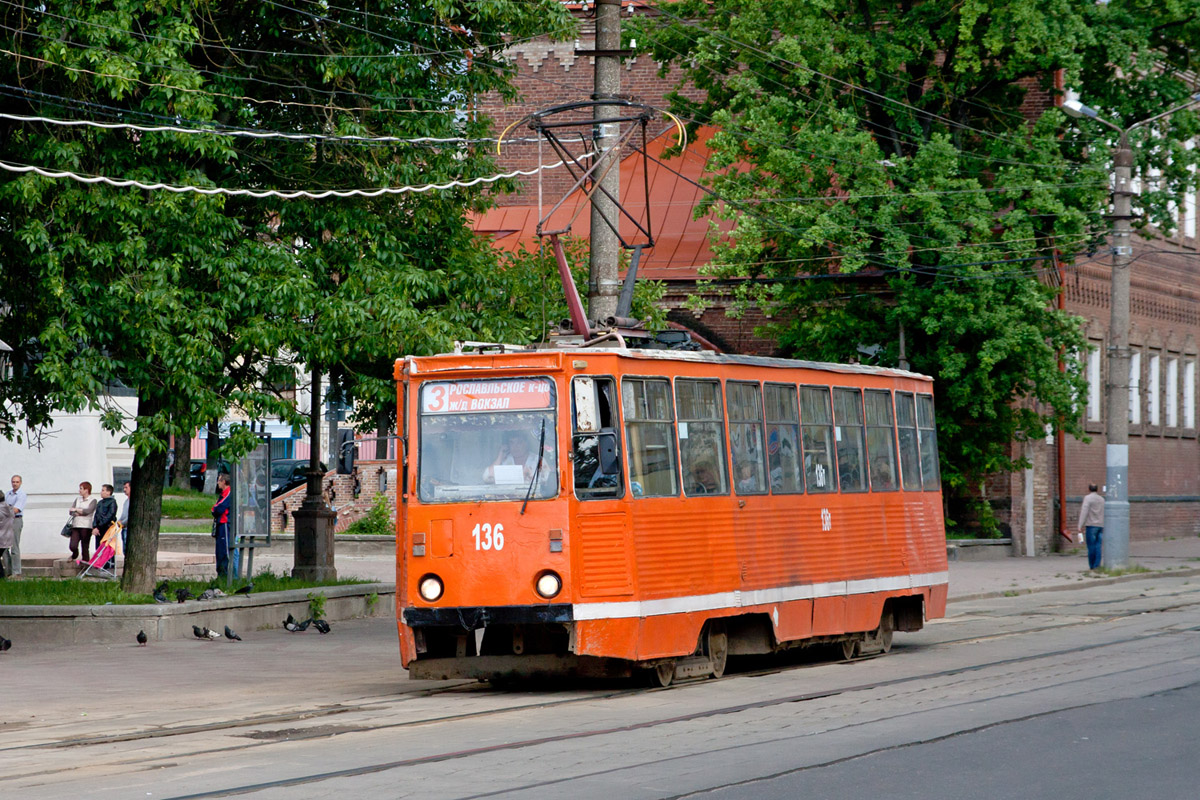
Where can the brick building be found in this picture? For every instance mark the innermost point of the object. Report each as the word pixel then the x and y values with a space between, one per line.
pixel 1164 450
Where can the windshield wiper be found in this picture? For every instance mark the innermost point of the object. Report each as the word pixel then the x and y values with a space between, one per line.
pixel 537 467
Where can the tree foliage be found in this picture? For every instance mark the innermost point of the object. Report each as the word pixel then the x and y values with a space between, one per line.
pixel 205 303
pixel 889 170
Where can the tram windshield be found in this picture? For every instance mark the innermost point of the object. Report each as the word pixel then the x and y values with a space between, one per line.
pixel 480 441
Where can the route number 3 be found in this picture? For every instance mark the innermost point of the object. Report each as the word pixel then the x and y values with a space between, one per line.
pixel 488 536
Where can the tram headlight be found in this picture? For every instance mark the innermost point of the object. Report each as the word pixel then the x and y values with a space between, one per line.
pixel 548 584
pixel 430 588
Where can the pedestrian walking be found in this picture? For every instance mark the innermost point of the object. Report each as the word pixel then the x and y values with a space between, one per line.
pixel 220 512
pixel 16 498
pixel 6 533
pixel 123 518
pixel 82 511
pixel 1091 523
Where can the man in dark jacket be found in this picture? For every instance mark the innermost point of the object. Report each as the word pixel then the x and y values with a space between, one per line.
pixel 220 513
pixel 106 513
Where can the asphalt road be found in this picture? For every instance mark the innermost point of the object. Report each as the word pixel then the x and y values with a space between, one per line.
pixel 1090 694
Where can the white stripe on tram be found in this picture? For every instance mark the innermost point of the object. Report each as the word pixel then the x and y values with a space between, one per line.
pixel 756 597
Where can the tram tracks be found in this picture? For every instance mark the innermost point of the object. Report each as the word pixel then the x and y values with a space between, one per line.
pixel 728 710
pixel 381 706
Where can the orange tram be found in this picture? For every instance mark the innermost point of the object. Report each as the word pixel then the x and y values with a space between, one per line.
pixel 604 511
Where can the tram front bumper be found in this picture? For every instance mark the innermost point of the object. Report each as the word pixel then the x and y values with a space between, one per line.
pixel 471 618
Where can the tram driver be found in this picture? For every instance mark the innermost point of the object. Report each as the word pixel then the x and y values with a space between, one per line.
pixel 515 450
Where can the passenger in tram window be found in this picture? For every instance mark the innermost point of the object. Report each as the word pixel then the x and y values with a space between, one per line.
pixel 514 450
pixel 747 481
pixel 704 479
pixel 881 475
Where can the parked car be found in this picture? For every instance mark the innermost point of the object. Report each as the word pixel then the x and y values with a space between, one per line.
pixel 288 473
pixel 196 471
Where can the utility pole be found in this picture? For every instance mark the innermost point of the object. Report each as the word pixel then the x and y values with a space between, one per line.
pixel 1115 547
pixel 605 245
pixel 1114 551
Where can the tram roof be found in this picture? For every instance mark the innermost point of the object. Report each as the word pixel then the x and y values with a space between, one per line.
pixel 699 357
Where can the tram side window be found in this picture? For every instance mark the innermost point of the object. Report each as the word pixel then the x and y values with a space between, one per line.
pixel 848 431
pixel 881 441
pixel 649 436
pixel 927 433
pixel 783 439
pixel 816 425
pixel 746 437
pixel 701 437
pixel 906 427
pixel 595 448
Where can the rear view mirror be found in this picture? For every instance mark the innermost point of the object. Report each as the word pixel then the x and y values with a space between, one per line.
pixel 609 462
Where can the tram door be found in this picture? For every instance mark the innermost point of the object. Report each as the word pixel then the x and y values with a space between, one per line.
pixel 601 532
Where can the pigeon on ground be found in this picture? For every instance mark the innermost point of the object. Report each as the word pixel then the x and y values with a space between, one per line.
pixel 183 594
pixel 5 644
pixel 290 624
pixel 230 634
pixel 159 597
pixel 141 638
pixel 163 587
pixel 321 625
pixel 303 626
pixel 199 633
pixel 212 634
pixel 211 594
pixel 245 589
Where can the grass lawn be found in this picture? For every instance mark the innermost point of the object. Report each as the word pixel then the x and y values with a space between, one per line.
pixel 185 527
pixel 72 592
pixel 187 504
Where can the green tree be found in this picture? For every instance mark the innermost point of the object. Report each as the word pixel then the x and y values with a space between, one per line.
pixel 894 183
pixel 200 303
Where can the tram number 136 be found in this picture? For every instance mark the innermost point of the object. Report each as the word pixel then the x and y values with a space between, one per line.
pixel 489 536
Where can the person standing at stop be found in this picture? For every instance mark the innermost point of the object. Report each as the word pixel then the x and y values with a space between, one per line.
pixel 220 512
pixel 1091 523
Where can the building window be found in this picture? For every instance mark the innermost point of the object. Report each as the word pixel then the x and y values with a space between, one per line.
pixel 1135 388
pixel 1172 401
pixel 1189 394
pixel 1094 385
pixel 1152 391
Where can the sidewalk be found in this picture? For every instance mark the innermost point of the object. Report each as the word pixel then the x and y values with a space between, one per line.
pixel 973 580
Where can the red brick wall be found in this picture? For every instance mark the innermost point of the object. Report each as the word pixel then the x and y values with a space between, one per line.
pixel 351 495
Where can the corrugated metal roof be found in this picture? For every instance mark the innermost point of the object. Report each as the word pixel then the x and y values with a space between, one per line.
pixel 681 242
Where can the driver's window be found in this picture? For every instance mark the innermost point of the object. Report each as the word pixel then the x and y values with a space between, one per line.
pixel 595 444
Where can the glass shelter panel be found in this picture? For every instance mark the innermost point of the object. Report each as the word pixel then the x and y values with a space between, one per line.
pixel 848 431
pixel 783 439
pixel 487 440
pixel 906 427
pixel 816 425
pixel 649 436
pixel 881 441
pixel 746 437
pixel 701 437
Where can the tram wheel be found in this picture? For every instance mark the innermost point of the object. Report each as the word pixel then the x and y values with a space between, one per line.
pixel 718 649
pixel 849 649
pixel 886 629
pixel 663 674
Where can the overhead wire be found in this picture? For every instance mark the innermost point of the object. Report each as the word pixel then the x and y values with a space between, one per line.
pixel 266 193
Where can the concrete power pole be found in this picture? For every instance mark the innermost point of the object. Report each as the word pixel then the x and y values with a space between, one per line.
pixel 1115 550
pixel 603 287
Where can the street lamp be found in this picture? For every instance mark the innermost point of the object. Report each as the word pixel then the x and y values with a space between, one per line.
pixel 1115 552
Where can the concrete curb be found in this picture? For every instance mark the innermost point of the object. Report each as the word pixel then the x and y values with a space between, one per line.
pixel 110 623
pixel 1066 587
